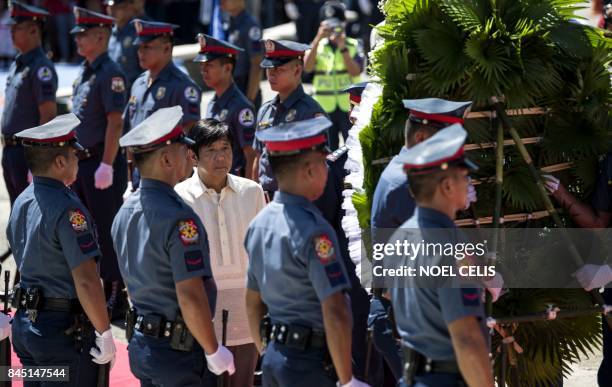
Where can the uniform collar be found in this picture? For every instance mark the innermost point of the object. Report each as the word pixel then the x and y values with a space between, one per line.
pixel 156 184
pixel 28 57
pixel 435 217
pixel 40 180
pixel 98 61
pixel 167 71
pixel 287 198
pixel 240 16
pixel 297 94
pixel 226 96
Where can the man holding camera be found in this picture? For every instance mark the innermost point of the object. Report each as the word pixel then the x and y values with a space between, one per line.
pixel 337 62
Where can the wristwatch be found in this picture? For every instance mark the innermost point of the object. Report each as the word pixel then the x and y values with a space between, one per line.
pixel 345 49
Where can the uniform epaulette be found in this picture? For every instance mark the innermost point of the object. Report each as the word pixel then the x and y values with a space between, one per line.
pixel 335 155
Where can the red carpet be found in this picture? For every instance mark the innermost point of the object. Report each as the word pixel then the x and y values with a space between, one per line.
pixel 120 374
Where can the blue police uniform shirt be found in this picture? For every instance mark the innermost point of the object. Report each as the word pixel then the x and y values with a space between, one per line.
pixel 244 31
pixel 293 260
pixel 171 87
pixel 159 241
pixel 99 89
pixel 297 106
pixel 51 233
pixel 233 108
pixel 122 50
pixel 31 81
pixel 392 204
pixel 422 314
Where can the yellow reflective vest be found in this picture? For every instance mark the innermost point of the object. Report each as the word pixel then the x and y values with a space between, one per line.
pixel 331 76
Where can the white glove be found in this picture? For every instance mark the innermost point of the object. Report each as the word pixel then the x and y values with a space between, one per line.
pixel 5 326
pixel 221 361
pixel 292 11
pixel 551 183
pixel 593 276
pixel 128 191
pixel 105 351
pixel 353 383
pixel 29 177
pixel 103 178
pixel 471 195
pixel 494 286
pixel 365 6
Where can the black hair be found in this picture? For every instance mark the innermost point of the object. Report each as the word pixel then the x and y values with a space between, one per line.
pixel 205 132
pixel 412 128
pixel 141 159
pixel 283 165
pixel 40 158
pixel 423 186
pixel 225 59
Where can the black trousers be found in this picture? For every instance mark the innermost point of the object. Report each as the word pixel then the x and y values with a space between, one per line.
pixel 103 205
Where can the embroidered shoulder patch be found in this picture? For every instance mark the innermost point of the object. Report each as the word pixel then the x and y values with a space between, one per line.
pixel 246 117
pixel 324 248
pixel 191 94
pixel 188 232
pixel 470 296
pixel 117 85
pixel 44 74
pixel 78 221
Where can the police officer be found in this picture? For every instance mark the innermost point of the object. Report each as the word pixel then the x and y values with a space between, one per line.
pixel 229 105
pixel 30 92
pixel 337 62
pixel 54 243
pixel 596 214
pixel 98 99
pixel 293 255
pixel 244 31
pixel 121 47
pixel 163 249
pixel 442 329
pixel 392 205
pixel 284 66
pixel 162 84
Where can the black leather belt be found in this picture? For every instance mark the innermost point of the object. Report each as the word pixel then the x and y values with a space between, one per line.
pixel 52 304
pixel 9 141
pixel 297 336
pixel 427 365
pixel 153 325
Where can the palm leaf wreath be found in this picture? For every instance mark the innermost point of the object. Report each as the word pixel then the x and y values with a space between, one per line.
pixel 550 74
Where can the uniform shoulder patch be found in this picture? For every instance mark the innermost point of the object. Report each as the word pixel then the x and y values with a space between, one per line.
pixel 77 220
pixel 188 232
pixel 324 248
pixel 255 33
pixel 44 74
pixel 191 94
pixel 117 85
pixel 246 117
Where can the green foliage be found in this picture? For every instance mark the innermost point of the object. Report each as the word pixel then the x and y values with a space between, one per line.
pixel 530 53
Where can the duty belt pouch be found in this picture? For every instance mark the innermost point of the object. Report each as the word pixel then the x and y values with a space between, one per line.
pixel 412 362
pixel 17 301
pixel 33 302
pixel 130 321
pixel 265 329
pixel 152 324
pixel 328 366
pixel 180 338
pixel 298 337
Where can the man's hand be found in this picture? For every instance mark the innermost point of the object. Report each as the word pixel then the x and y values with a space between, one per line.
pixel 105 351
pixel 103 178
pixel 494 286
pixel 353 383
pixel 593 276
pixel 324 31
pixel 340 40
pixel 221 361
pixel 292 10
pixel 551 183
